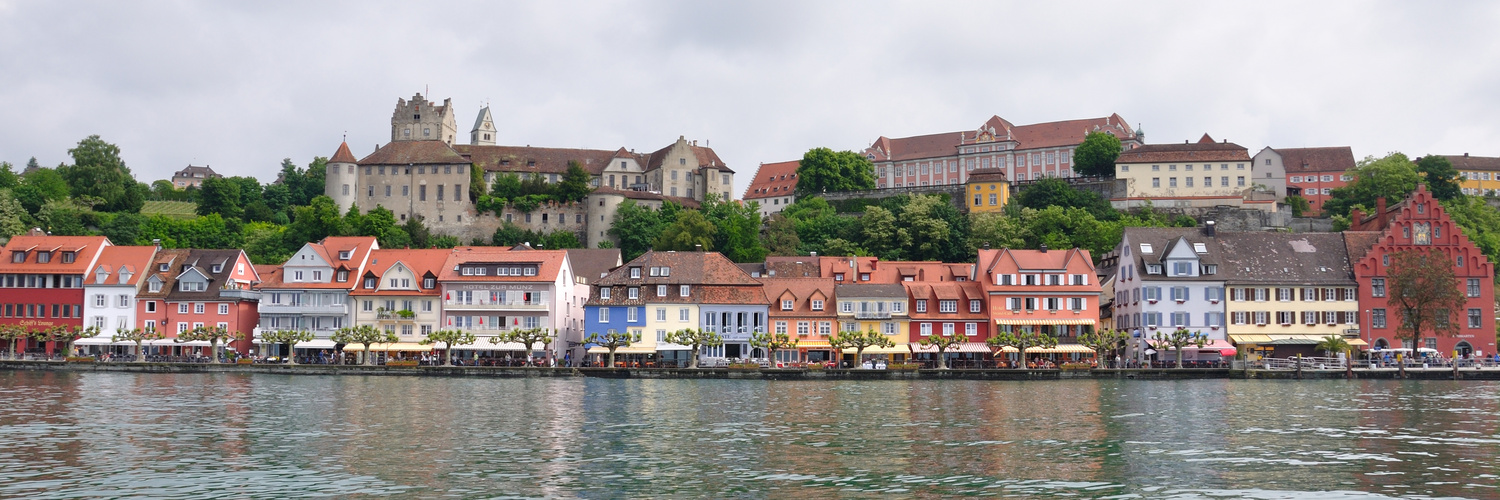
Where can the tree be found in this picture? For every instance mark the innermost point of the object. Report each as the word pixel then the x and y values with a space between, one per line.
pixel 635 227
pixel 839 247
pixel 364 335
pixel 576 183
pixel 1052 191
pixel 63 218
pixel 1392 177
pixel 40 186
pixel 943 343
pixel 1103 342
pixel 381 224
pixel 417 232
pixel 264 243
pixel 881 236
pixel 1299 205
pixel 772 342
pixel 220 196
pixel 507 186
pixel 1441 178
pixel 8 177
pixel 696 340
pixel 781 236
pixel 1425 293
pixel 1333 344
pixel 690 232
pixel 612 340
pixel 98 171
pixel 13 334
pixel 12 215
pixel 561 239
pixel 736 228
pixel 211 334
pixel 928 234
pixel 1020 340
pixel 1179 339
pixel 1479 221
pixel 823 170
pixel 995 230
pixel 289 337
pixel 859 341
pixel 528 338
pixel 1096 155
pixel 65 336
pixel 316 221
pixel 451 339
pixel 138 336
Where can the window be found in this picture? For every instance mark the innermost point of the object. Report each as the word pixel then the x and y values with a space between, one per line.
pixel 926 329
pixel 802 328
pixel 661 290
pixel 633 293
pixel 1182 268
pixel 682 314
pixel 1180 293
pixel 846 307
pixel 817 305
pixel 921 305
pixel 683 290
pixel 1474 318
pixel 198 308
pixel 974 306
pixel 786 305
pixel 1377 287
pixel 661 314
pixel 1377 318
pixel 1076 303
pixel 1156 182
pixel 1473 287
pixel 99 300
pixel 948 306
pixel 182 308
pixel 223 309
pixel 150 306
pixel 1240 181
pixel 604 315
pixel 780 327
pixel 1284 294
pixel 632 315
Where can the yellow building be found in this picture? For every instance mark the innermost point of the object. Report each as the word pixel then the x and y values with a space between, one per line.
pixel 875 307
pixel 988 190
pixel 1480 174
pixel 1287 291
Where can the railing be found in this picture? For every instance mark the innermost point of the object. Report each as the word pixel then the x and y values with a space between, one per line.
pixel 394 315
pixel 1320 363
pixel 872 315
pixel 477 303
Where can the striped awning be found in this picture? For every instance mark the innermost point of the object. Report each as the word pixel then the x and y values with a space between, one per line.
pixel 1035 321
pixel 623 350
pixel 813 344
pixel 896 349
pixel 964 347
pixel 394 347
pixel 1288 339
pixel 1060 349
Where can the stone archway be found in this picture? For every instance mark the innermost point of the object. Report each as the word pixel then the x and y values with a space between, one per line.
pixel 1382 344
pixel 1464 348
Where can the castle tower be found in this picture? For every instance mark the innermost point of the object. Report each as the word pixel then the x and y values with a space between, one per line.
pixel 484 129
pixel 342 177
pixel 421 120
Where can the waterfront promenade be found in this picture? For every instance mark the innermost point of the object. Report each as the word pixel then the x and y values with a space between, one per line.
pixel 1431 373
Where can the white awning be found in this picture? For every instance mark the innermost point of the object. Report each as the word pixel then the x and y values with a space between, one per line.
pixel 93 341
pixel 316 344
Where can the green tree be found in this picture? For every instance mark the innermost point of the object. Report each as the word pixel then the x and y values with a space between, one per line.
pixel 1178 340
pixel 1020 340
pixel 1392 177
pixel 613 341
pixel 995 230
pixel 64 336
pixel 314 178
pixel 211 334
pixel 318 220
pixel 1052 191
pixel 927 233
pixel 1104 342
pixel 507 186
pixel 636 228
pixel 364 335
pixel 772 342
pixel 1333 344
pixel 881 236
pixel 417 232
pixel 12 215
pixel 40 186
pixel 736 229
pixel 696 340
pixel 62 218
pixel 823 170
pixel 265 244
pixel 451 339
pixel 13 335
pixel 576 183
pixel 839 247
pixel 1299 205
pixel 942 343
pixel 1479 221
pixel 509 234
pixel 289 337
pixel 476 182
pixel 561 239
pixel 98 171
pixel 220 196
pixel 278 197
pixel 781 236
pixel 859 341
pixel 691 231
pixel 8 177
pixel 1096 155
pixel 529 338
pixel 1441 178
pixel 1426 294
pixel 381 224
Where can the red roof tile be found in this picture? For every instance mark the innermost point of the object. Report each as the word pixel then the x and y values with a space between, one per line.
pixel 1466 162
pixel 414 152
pixel 114 259
pixel 540 160
pixel 86 248
pixel 421 262
pixel 1196 152
pixel 1040 135
pixel 343 155
pixel 549 263
pixel 1332 159
pixel 773 179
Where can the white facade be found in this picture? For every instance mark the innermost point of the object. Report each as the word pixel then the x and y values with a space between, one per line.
pixel 109 304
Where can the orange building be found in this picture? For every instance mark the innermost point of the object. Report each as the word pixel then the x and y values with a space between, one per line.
pixel 804 309
pixel 1054 291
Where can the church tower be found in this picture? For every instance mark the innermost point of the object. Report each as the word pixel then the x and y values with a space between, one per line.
pixel 484 129
pixel 421 120
pixel 342 177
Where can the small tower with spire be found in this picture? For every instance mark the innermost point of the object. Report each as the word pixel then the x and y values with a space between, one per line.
pixel 342 177
pixel 484 129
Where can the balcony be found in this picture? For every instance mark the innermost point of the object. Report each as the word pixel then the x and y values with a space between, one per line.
pixel 872 315
pixel 239 294
pixel 396 316
pixel 302 309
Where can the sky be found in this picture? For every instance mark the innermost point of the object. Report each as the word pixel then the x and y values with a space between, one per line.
pixel 241 85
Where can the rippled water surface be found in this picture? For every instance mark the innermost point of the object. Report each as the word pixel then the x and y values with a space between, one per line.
pixel 72 435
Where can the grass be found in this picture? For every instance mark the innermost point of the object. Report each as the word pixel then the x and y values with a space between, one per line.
pixel 175 209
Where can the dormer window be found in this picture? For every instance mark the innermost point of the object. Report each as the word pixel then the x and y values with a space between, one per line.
pixel 654 271
pixel 218 268
pixel 1211 269
pixel 429 282
pixel 164 267
pixel 666 271
pixel 661 290
pixel 635 273
pixel 192 286
pixel 531 271
pixel 43 257
pixel 154 286
pixel 1153 268
pixel 344 254
pixel 786 305
pixel 369 282
pixel 683 290
pixel 604 293
pixel 480 271
pixel 633 293
pixel 69 257
pixel 18 257
pixel 467 271
pixel 343 276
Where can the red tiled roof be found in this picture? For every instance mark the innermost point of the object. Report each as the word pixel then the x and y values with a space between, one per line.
pixel 114 259
pixel 707 158
pixel 987 175
pixel 414 152
pixel 173 258
pixel 420 261
pixel 1331 159
pixel 549 263
pixel 1201 151
pixel 773 179
pixel 1466 162
pixel 343 155
pixel 540 160
pixel 1040 135
pixel 961 291
pixel 87 247
pixel 800 291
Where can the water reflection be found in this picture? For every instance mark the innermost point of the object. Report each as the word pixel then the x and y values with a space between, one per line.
pixel 214 435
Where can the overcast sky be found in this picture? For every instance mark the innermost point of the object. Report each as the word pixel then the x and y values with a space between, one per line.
pixel 239 86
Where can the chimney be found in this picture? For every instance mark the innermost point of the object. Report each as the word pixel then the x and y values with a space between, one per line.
pixel 815 255
pixel 697 248
pixel 1466 155
pixel 1044 248
pixel 1208 228
pixel 157 242
pixel 1380 212
pixel 986 245
pixel 1354 218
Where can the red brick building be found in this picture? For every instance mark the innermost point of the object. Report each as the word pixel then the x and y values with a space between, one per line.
pixel 1421 224
pixel 947 308
pixel 1312 173
pixel 1052 291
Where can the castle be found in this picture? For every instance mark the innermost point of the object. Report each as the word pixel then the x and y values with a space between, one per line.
pixel 422 173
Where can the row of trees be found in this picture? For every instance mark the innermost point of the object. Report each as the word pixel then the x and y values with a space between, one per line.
pixel 728 227
pixel 526 195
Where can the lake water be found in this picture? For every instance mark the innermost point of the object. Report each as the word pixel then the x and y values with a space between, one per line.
pixel 68 435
